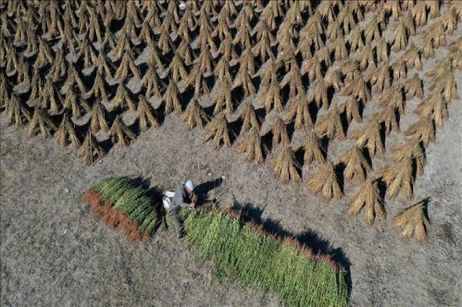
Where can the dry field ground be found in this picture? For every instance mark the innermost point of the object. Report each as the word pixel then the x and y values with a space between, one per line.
pixel 55 253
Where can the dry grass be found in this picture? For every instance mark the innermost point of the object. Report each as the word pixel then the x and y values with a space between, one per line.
pixel 367 196
pixel 424 130
pixel 16 111
pixel 325 182
pixel 122 99
pixel 171 99
pixel 414 221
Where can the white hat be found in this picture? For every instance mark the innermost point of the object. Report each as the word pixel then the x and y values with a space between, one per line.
pixel 190 185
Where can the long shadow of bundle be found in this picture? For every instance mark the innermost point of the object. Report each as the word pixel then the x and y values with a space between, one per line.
pixel 120 133
pixel 146 114
pixel 252 146
pixel 67 134
pixel 356 165
pixel 249 118
pixel 326 183
pixel 41 122
pixel 285 166
pixel 331 125
pixel 90 149
pixel 16 111
pixel 368 196
pixel 98 117
pixel 415 222
pixel 195 116
pixel 219 131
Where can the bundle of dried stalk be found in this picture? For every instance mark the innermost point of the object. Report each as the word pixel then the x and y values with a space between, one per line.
pixel 90 149
pixel 356 165
pixel 368 196
pixel 331 125
pixel 219 131
pixel 325 182
pixel 41 122
pixel 98 117
pixel 120 133
pixel 399 179
pixel 67 133
pixel 313 149
pixel 285 166
pixel 195 116
pixel 146 114
pixel 252 146
pixel 249 118
pixel 415 223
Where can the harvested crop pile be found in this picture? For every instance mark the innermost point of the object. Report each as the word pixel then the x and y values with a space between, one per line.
pixel 279 265
pixel 120 201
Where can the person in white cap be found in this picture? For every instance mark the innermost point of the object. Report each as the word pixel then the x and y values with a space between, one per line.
pixel 184 197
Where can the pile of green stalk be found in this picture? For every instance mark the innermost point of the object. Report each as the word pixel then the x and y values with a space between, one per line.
pixel 138 210
pixel 255 259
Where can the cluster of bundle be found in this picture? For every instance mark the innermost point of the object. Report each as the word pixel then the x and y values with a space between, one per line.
pixel 314 67
pixel 119 201
pixel 256 258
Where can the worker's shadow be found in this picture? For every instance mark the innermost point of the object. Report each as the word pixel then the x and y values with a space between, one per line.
pixel 202 190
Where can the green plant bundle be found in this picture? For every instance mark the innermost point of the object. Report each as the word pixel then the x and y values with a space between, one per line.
pixel 133 200
pixel 256 259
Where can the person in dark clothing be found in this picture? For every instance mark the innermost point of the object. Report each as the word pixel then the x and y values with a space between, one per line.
pixel 184 197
